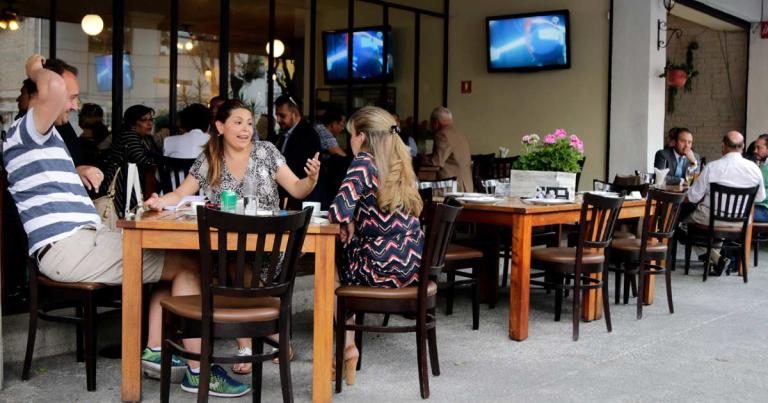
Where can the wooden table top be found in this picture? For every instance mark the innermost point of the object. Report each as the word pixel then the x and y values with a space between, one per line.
pixel 516 205
pixel 172 220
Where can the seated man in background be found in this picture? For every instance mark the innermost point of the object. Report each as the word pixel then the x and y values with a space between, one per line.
pixel 195 120
pixel 760 155
pixel 331 125
pixel 678 157
pixel 451 150
pixel 730 170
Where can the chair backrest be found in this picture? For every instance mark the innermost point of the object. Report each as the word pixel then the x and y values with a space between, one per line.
pixel 598 217
pixel 502 167
pixel 482 168
pixel 662 210
pixel 439 234
pixel 172 172
pixel 271 273
pixel 730 204
pixel 597 184
pixel 581 168
pixel 440 186
pixel 626 189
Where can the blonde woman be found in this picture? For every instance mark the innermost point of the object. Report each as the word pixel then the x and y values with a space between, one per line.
pixel 378 208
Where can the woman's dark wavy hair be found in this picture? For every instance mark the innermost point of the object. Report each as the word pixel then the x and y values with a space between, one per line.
pixel 133 114
pixel 214 150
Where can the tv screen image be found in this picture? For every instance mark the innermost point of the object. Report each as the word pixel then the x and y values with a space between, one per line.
pixel 528 42
pixel 367 55
pixel 104 73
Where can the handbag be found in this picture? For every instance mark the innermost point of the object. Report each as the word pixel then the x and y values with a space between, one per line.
pixel 105 206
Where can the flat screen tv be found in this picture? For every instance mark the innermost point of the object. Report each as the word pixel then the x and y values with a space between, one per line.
pixel 529 42
pixel 367 55
pixel 104 73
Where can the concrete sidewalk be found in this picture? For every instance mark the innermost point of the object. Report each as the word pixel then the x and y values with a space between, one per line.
pixel 712 349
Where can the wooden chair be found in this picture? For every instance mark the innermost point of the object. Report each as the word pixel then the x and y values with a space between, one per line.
pixel 598 217
pixel 419 301
pixel 46 295
pixel 662 210
pixel 173 171
pixel 256 303
pixel 727 205
pixel 440 187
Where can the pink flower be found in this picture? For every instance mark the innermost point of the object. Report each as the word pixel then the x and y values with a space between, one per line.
pixel 550 139
pixel 574 138
pixel 560 133
pixel 526 139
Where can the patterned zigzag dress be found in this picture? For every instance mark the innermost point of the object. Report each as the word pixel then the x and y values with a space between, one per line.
pixel 385 250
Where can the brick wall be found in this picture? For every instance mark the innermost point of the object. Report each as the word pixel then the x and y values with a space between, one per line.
pixel 717 102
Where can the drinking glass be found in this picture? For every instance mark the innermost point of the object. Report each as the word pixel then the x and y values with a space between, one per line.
pixel 689 173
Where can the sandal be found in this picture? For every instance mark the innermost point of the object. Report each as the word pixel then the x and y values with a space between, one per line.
pixel 276 360
pixel 243 368
pixel 349 372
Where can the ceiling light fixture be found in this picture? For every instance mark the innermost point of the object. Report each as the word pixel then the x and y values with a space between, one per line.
pixel 662 26
pixel 9 18
pixel 279 48
pixel 92 24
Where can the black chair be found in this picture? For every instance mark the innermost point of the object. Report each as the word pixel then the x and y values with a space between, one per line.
pixel 759 237
pixel 482 166
pixel 254 303
pixel 46 295
pixel 419 301
pixel 598 217
pixel 172 172
pixel 727 205
pixel 662 210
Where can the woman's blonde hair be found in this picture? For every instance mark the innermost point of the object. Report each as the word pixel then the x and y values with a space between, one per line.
pixel 397 181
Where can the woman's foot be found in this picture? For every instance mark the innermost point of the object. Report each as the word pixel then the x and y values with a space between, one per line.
pixel 349 373
pixel 276 360
pixel 243 368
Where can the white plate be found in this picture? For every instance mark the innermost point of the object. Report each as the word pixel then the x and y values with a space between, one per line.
pixel 547 201
pixel 460 194
pixel 603 193
pixel 479 200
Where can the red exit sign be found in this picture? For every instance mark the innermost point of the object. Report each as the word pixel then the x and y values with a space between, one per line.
pixel 764 30
pixel 466 87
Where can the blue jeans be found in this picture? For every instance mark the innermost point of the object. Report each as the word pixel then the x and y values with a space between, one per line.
pixel 761 214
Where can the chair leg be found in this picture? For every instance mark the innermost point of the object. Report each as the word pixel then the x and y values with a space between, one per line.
pixel 285 363
pixel 31 333
pixel 504 273
pixel 576 306
pixel 633 286
pixel 432 342
pixel 450 291
pixel 672 252
pixel 627 276
pixel 706 263
pixel 640 288
pixel 668 281
pixel 90 342
pixel 617 283
pixel 359 320
pixel 688 248
pixel 421 358
pixel 385 321
pixel 256 373
pixel 476 296
pixel 166 353
pixel 606 308
pixel 206 348
pixel 745 259
pixel 341 320
pixel 558 296
pixel 80 351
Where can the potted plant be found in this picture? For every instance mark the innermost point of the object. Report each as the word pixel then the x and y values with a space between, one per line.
pixel 551 162
pixel 680 76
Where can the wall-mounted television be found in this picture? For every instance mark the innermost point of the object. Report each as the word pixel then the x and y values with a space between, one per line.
pixel 529 42
pixel 104 73
pixel 367 55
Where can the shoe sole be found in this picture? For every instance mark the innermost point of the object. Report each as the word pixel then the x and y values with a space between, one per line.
pixel 212 393
pixel 152 370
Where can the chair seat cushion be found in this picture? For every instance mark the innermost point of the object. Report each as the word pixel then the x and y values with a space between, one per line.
pixel 225 309
pixel 565 257
pixel 623 235
pixel 632 246
pixel 704 228
pixel 461 252
pixel 47 282
pixel 361 291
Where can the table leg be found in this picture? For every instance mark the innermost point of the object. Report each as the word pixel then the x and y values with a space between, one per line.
pixel 489 278
pixel 130 386
pixel 592 302
pixel 748 249
pixel 520 277
pixel 322 342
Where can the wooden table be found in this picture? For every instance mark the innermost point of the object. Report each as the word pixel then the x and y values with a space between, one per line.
pixel 521 218
pixel 169 230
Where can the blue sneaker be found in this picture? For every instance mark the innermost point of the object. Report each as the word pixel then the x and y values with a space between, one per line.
pixel 221 384
pixel 150 365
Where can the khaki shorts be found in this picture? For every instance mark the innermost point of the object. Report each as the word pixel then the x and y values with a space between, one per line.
pixel 95 256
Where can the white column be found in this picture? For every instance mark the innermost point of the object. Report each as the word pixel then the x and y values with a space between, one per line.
pixel 637 92
pixel 757 87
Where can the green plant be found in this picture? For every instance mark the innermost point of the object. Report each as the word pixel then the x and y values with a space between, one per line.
pixel 558 152
pixel 690 71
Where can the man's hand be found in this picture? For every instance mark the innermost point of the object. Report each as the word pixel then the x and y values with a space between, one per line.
pixel 691 156
pixel 91 177
pixel 34 63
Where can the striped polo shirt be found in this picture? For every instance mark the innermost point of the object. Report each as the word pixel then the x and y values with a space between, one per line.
pixel 42 179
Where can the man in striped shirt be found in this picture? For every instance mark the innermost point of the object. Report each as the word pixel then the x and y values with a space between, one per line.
pixel 65 233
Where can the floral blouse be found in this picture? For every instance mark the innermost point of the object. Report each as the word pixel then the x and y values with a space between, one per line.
pixel 265 160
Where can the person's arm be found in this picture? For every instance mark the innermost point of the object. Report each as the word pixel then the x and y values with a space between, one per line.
pixel 352 188
pixel 442 150
pixel 187 188
pixel 337 150
pixel 299 188
pixel 699 189
pixel 135 150
pixel 51 94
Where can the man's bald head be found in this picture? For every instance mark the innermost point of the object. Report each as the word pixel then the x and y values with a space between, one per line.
pixel 733 141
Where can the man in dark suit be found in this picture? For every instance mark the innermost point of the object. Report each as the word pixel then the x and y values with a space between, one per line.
pixel 678 157
pixel 299 142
